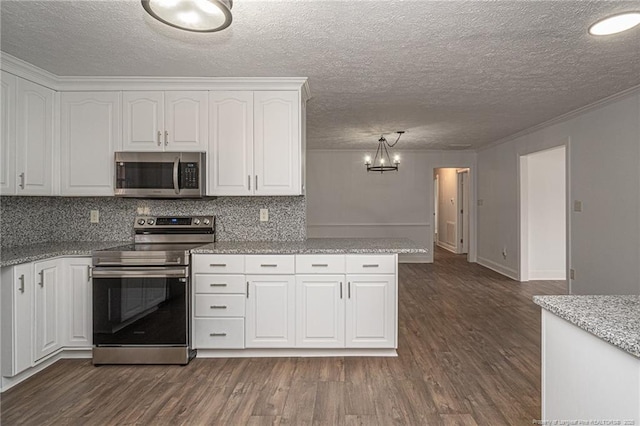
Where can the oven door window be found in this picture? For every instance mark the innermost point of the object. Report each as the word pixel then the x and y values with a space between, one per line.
pixel 140 311
pixel 139 175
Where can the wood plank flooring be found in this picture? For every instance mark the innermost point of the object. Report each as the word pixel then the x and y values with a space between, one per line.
pixel 469 353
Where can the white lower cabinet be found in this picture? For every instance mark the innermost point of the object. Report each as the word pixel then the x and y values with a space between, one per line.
pixel 320 303
pixel 371 311
pixel 78 302
pixel 218 333
pixel 47 310
pixel 270 311
pixel 17 319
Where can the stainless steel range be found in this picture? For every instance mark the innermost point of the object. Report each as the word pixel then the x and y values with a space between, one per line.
pixel 141 292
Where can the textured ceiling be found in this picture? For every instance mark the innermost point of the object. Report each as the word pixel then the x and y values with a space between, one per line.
pixel 450 73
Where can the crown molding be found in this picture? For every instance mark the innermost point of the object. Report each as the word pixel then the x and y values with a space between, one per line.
pixel 564 117
pixel 25 70
pixel 408 150
pixel 30 72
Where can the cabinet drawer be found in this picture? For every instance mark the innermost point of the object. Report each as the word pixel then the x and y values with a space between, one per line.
pixel 219 305
pixel 273 264
pixel 214 283
pixel 219 333
pixel 320 264
pixel 218 263
pixel 371 264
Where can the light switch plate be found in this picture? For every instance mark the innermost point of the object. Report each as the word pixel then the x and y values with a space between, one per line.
pixel 264 215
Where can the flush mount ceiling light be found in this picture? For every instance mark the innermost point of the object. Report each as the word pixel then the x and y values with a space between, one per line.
pixel 615 24
pixel 201 16
pixel 382 161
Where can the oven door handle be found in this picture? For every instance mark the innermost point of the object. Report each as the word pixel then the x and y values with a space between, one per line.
pixel 140 272
pixel 176 186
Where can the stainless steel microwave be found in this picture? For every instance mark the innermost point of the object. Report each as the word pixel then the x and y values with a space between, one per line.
pixel 160 174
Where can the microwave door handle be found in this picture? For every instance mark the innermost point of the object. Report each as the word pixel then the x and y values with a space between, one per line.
pixel 176 185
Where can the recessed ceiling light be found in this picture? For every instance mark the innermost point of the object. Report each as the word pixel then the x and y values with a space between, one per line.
pixel 615 24
pixel 202 16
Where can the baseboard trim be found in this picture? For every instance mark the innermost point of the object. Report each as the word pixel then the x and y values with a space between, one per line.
pixel 447 247
pixel 7 383
pixel 501 269
pixel 293 352
pixel 548 275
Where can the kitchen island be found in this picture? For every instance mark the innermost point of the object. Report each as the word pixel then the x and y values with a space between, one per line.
pixel 591 358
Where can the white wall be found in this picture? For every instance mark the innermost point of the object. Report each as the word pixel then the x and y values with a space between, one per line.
pixel 344 200
pixel 604 173
pixel 546 205
pixel 447 212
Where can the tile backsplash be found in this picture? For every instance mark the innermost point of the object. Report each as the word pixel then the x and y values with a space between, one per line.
pixel 30 220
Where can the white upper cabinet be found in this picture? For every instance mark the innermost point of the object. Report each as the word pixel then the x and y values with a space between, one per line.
pixel 255 146
pixel 8 134
pixel 231 143
pixel 90 133
pixel 34 139
pixel 277 145
pixel 165 121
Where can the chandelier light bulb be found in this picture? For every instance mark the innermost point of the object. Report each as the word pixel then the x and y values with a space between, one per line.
pixel 396 159
pixel 382 161
pixel 367 160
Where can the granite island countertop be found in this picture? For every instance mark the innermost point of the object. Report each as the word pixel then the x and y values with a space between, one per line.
pixel 614 319
pixel 316 246
pixel 34 252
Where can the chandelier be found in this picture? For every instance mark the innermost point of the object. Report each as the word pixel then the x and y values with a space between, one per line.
pixel 382 160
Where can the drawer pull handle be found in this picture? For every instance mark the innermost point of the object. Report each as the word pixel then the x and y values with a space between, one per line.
pixel 217 334
pixel 269 265
pixel 340 289
pixel 217 265
pixel 371 265
pixel 218 285
pixel 320 265
pixel 349 289
pixel 218 306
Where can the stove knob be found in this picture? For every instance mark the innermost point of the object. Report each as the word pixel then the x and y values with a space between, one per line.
pixel 196 221
pixel 151 221
pixel 206 221
pixel 140 221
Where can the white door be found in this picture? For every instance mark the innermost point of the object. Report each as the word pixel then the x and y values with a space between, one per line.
pixel 186 121
pixel 320 306
pixel 371 311
pixel 17 329
pixel 79 325
pixel 270 311
pixel 47 308
pixel 231 143
pixel 277 143
pixel 143 121
pixel 90 133
pixel 8 134
pixel 34 139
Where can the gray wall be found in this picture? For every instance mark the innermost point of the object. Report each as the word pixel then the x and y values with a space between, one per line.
pixel 604 173
pixel 29 220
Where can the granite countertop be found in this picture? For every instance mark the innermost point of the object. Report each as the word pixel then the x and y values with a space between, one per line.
pixel 614 319
pixel 316 246
pixel 34 252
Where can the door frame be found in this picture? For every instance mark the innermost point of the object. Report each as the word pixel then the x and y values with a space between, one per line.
pixel 462 212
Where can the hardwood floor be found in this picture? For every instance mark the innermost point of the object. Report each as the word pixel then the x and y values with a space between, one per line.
pixel 468 353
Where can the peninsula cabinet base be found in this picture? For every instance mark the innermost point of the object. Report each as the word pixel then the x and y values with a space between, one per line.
pixel 294 353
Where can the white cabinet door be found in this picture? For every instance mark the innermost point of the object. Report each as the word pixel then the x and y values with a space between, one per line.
pixel 231 143
pixel 17 319
pixel 186 121
pixel 270 311
pixel 78 303
pixel 320 306
pixel 8 134
pixel 47 308
pixel 34 139
pixel 371 311
pixel 143 121
pixel 277 143
pixel 90 133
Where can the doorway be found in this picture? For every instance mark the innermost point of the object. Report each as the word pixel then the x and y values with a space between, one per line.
pixel 452 197
pixel 543 215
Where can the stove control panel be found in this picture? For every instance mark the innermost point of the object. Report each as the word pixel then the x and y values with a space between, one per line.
pixel 147 222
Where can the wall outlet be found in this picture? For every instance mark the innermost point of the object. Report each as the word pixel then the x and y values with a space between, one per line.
pixel 95 216
pixel 143 211
pixel 264 215
pixel 577 206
